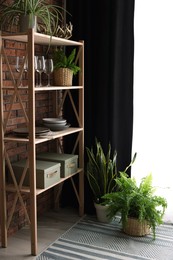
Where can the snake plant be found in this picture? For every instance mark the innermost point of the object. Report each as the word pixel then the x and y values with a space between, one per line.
pixel 101 171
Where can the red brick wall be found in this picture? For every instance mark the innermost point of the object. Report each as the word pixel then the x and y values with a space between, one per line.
pixel 19 151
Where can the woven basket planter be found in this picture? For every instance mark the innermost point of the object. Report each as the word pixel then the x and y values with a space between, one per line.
pixel 136 228
pixel 63 77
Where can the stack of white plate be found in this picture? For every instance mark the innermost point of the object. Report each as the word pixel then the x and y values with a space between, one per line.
pixel 55 124
pixel 24 132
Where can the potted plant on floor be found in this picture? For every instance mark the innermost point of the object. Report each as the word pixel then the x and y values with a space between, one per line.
pixel 101 173
pixel 140 209
pixel 22 12
pixel 64 67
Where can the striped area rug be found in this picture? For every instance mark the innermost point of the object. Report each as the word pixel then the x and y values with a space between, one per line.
pixel 89 239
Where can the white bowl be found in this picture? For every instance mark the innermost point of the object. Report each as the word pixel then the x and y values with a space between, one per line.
pixel 56 120
pixel 57 127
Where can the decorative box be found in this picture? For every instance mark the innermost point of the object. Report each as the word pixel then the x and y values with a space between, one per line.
pixel 69 162
pixel 47 173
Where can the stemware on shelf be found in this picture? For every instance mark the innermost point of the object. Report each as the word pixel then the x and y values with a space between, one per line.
pixel 48 69
pixel 40 67
pixel 21 66
pixel 36 72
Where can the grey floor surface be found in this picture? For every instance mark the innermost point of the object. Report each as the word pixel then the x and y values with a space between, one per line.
pixel 50 227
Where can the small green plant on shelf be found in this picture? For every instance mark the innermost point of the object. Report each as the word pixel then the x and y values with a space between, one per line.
pixel 64 67
pixel 61 60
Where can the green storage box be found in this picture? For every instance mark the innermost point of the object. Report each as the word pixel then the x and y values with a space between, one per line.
pixel 69 162
pixel 47 173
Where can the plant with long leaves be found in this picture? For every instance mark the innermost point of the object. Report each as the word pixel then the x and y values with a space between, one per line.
pixel 47 14
pixel 101 171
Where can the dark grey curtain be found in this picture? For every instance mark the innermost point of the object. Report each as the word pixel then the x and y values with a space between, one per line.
pixel 107 29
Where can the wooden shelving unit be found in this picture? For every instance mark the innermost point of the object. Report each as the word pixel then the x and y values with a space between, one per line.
pixel 31 39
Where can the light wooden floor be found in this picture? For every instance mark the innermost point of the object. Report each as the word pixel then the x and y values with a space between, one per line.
pixel 50 227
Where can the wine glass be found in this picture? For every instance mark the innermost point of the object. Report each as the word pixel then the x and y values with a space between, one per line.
pixel 36 72
pixel 48 69
pixel 40 67
pixel 21 64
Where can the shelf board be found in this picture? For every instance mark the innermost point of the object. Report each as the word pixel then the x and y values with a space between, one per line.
pixel 58 134
pixel 44 88
pixel 57 88
pixel 41 139
pixel 41 39
pixel 26 189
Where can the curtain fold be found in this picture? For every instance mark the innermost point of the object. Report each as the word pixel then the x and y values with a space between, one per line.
pixel 107 29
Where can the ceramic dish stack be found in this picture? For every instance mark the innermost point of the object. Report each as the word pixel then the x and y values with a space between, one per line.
pixel 24 132
pixel 55 124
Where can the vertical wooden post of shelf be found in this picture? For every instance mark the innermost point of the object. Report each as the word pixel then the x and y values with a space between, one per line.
pixel 32 148
pixel 81 141
pixel 3 210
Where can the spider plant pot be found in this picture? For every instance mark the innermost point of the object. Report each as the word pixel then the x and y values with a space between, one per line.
pixel 26 22
pixel 63 77
pixel 101 213
pixel 101 173
pixel 134 227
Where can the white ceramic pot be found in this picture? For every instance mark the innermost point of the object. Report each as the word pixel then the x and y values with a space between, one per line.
pixel 101 212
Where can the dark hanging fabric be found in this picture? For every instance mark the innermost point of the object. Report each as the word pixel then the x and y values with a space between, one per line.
pixel 107 29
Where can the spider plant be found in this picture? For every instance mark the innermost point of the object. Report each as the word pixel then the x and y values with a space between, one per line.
pixel 47 14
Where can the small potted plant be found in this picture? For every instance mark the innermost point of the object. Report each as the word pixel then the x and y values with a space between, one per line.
pixel 26 13
pixel 101 173
pixel 64 67
pixel 140 209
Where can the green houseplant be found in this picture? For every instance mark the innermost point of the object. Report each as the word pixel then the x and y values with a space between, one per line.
pixel 64 66
pixel 137 204
pixel 47 14
pixel 101 173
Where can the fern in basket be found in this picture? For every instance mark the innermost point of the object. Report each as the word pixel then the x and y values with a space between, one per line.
pixel 136 201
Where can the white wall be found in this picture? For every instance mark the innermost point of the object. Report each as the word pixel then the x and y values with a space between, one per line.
pixel 153 95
